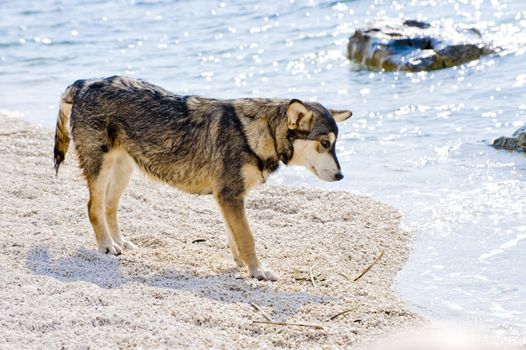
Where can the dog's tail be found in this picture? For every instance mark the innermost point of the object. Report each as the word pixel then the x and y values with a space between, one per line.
pixel 62 131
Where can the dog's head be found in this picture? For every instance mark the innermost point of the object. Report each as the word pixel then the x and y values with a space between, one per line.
pixel 313 132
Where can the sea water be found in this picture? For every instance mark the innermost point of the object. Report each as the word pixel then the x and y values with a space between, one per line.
pixel 419 141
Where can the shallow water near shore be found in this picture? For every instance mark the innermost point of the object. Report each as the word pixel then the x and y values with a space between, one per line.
pixel 417 141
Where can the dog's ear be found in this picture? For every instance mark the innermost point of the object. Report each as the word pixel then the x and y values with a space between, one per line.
pixel 299 117
pixel 340 116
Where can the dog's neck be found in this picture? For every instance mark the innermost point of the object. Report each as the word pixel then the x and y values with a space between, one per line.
pixel 272 143
pixel 284 142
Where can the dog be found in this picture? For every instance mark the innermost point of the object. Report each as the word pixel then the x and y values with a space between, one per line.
pixel 199 145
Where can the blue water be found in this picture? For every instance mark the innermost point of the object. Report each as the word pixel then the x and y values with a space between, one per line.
pixel 417 141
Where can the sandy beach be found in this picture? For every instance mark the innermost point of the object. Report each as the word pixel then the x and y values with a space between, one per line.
pixel 181 287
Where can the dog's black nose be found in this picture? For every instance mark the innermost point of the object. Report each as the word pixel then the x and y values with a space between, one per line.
pixel 338 176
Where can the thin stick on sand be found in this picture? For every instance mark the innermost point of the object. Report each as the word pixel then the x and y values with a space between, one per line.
pixel 375 261
pixel 340 314
pixel 262 312
pixel 312 276
pixel 341 274
pixel 315 326
pixel 271 322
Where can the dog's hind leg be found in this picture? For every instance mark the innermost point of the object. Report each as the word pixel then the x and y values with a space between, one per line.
pixel 120 176
pixel 98 184
pixel 233 210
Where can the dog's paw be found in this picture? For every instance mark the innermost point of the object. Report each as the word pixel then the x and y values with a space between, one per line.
pixel 110 248
pixel 125 244
pixel 262 274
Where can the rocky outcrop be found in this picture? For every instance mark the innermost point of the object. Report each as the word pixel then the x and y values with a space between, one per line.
pixel 517 142
pixel 398 45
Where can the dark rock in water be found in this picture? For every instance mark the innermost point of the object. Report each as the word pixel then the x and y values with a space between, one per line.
pixel 517 142
pixel 415 46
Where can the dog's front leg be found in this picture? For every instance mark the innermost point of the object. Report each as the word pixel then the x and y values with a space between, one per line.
pixel 233 210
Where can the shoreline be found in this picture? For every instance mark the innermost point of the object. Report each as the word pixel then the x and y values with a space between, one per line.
pixel 58 291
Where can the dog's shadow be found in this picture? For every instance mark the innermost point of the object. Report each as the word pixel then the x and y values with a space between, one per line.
pixel 105 271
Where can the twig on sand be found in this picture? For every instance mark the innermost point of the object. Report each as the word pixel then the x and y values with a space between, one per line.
pixel 339 314
pixel 374 262
pixel 301 279
pixel 262 312
pixel 315 326
pixel 341 274
pixel 199 240
pixel 308 278
pixel 311 275
pixel 274 323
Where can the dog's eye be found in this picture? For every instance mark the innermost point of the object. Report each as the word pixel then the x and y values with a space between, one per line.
pixel 325 144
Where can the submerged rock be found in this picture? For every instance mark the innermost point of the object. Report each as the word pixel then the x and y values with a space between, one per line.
pixel 517 141
pixel 415 46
